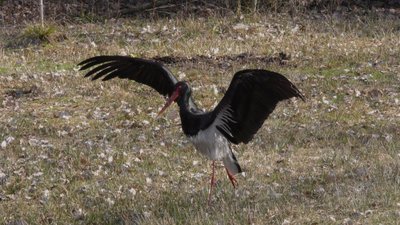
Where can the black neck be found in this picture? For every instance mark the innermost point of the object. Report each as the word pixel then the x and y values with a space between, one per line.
pixel 187 104
pixel 191 115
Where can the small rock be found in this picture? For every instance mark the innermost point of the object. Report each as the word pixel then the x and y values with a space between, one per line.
pixel 63 115
pixel 110 159
pixel 132 191
pixel 46 195
pixel 368 212
pixel 37 174
pixel 3 178
pixel 147 214
pixel 319 191
pixel 7 141
pixel 347 221
pixel 149 180
pixel 93 44
pixel 181 75
pixel 240 26
pixel 110 201
pixel 2 197
pixel 100 115
pixel 215 89
pixel 142 137
pixel 78 214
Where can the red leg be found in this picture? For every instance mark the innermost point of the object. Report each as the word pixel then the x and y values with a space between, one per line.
pixel 212 181
pixel 232 178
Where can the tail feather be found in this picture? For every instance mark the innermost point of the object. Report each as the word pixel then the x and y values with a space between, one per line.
pixel 231 164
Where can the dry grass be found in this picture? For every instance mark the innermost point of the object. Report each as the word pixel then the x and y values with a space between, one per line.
pixel 81 152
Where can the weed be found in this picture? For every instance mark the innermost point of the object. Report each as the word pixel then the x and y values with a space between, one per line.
pixel 42 33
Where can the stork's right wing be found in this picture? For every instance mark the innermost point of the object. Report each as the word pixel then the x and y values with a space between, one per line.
pixel 143 71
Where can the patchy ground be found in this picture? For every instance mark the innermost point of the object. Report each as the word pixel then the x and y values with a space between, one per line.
pixel 80 152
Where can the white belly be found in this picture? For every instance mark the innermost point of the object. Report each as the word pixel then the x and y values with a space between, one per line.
pixel 211 143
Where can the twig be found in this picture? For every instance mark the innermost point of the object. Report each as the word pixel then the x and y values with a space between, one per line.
pixel 42 13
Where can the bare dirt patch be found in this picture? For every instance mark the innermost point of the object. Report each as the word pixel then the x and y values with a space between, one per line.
pixel 224 61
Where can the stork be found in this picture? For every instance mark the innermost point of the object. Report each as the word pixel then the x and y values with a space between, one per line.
pixel 251 97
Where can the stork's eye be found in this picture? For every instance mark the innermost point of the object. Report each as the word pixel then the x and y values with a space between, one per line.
pixel 180 88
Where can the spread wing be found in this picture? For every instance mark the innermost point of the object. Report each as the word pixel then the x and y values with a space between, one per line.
pixel 143 71
pixel 249 100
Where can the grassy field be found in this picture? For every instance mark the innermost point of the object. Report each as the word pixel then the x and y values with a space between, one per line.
pixel 80 152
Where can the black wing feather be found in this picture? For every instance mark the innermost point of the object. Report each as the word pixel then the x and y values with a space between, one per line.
pixel 250 99
pixel 143 71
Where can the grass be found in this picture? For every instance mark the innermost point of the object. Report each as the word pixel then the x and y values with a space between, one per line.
pixel 82 152
pixel 38 32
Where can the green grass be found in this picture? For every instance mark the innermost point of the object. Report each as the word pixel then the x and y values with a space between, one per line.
pixel 3 70
pixel 92 152
pixel 42 33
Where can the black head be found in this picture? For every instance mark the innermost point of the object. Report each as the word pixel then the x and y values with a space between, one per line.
pixel 181 90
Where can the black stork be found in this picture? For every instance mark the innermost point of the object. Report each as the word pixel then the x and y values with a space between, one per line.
pixel 251 97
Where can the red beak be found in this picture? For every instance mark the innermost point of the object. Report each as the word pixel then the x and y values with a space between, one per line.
pixel 170 100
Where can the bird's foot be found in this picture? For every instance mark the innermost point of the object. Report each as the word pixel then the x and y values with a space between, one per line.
pixel 232 178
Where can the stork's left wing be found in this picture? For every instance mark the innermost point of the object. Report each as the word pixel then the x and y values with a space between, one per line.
pixel 249 100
